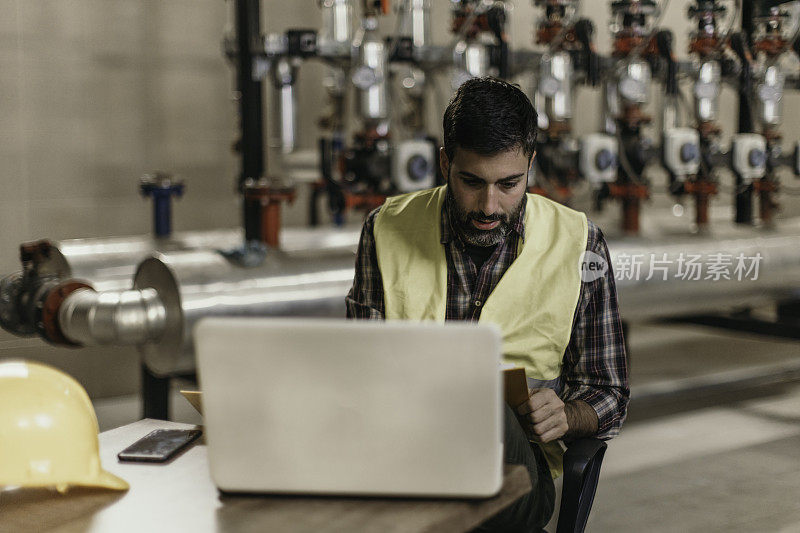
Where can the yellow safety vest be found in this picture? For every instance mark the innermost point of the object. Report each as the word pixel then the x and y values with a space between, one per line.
pixel 533 303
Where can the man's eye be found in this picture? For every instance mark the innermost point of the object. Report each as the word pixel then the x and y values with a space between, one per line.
pixel 473 183
pixel 509 185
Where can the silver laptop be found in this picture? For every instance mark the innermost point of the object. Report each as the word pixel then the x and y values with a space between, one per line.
pixel 351 407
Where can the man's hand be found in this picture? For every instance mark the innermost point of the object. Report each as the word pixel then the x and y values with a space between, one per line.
pixel 543 416
pixel 546 418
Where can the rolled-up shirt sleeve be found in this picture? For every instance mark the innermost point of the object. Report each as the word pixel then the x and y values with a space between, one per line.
pixel 365 299
pixel 595 363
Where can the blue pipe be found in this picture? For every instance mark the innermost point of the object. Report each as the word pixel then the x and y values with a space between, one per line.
pixel 161 189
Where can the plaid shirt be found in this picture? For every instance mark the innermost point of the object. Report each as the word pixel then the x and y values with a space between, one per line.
pixel 594 366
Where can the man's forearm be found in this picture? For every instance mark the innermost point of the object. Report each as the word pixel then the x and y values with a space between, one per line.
pixel 581 419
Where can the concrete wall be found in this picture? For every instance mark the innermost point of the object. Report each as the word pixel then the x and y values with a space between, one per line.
pixel 97 92
pixel 93 93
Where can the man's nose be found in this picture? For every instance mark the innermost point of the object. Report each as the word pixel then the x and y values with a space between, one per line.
pixel 488 201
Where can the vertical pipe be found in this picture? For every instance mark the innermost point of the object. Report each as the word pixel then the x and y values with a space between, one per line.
pixel 337 18
pixel 744 192
pixel 155 395
pixel 372 75
pixel 288 118
pixel 701 210
pixel 161 188
pixel 271 223
pixel 748 21
pixel 414 22
pixel 251 119
pixel 744 204
pixel 284 77
pixel 766 204
pixel 630 215
pixel 162 215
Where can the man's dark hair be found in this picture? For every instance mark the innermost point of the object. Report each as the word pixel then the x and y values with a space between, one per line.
pixel 488 116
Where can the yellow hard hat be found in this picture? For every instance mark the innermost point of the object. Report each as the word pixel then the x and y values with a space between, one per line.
pixel 48 431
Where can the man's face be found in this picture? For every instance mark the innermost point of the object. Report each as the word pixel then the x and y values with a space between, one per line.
pixel 487 193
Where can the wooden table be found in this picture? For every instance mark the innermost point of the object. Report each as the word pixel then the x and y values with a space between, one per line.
pixel 180 497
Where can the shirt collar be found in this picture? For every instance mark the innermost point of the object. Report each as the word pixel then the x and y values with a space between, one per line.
pixel 449 233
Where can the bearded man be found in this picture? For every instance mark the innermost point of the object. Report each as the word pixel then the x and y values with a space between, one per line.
pixel 482 249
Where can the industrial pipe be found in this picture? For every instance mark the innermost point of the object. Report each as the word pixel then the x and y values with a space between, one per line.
pixel 251 116
pixel 109 263
pixel 129 317
pixel 284 73
pixel 161 188
pixel 172 291
pixel 337 16
pixel 371 74
pixel 192 285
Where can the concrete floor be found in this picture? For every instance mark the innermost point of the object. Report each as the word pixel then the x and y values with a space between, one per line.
pixel 730 467
pixel 697 458
pixel 690 457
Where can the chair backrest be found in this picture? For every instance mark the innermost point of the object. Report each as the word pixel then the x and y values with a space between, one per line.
pixel 582 462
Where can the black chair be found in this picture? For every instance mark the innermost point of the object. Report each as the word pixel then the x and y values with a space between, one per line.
pixel 582 462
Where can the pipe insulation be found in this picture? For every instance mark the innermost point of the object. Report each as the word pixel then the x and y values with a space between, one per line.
pixel 114 317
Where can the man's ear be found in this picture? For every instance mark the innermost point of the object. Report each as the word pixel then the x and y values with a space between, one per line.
pixel 444 163
pixel 530 163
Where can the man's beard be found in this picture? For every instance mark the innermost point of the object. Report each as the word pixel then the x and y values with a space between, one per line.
pixel 462 222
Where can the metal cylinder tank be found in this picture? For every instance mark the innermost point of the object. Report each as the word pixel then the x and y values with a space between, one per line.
pixel 471 59
pixel 419 17
pixel 706 91
pixel 770 94
pixel 284 77
pixel 337 23
pixel 555 85
pixel 370 74
pixel 109 263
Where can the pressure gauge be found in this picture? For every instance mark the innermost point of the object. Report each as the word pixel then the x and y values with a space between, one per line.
pixel 749 155
pixel 414 165
pixel 681 149
pixel 597 159
pixel 364 77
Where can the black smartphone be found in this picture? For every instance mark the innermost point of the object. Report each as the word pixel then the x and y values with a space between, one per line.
pixel 159 445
